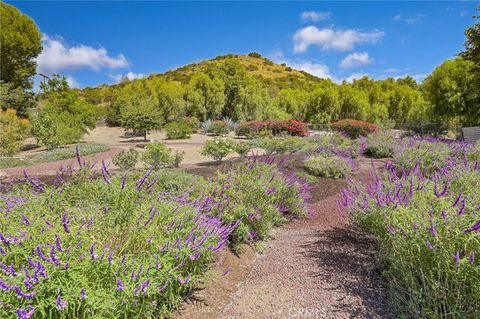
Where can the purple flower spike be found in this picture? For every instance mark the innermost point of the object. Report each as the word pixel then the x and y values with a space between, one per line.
pixel 429 245
pixel 226 272
pixel 120 285
pixel 475 227
pixel 24 313
pixel 61 304
pixel 456 257
pixel 183 281
pixel 472 258
pixel 82 294
pixel 65 223
pixel 433 230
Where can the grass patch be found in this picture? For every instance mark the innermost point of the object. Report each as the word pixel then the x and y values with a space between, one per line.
pixel 53 155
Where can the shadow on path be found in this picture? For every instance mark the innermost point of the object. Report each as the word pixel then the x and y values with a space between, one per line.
pixel 347 257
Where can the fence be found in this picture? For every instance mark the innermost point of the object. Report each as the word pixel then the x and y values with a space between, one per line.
pixel 418 128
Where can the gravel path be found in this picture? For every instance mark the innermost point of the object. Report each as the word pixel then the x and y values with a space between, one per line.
pixel 317 268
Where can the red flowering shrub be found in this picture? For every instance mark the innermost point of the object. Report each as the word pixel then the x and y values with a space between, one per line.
pixel 354 128
pixel 276 127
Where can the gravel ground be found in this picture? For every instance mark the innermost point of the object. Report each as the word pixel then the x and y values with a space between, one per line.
pixel 316 268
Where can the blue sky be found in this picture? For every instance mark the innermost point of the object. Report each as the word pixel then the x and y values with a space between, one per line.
pixel 98 42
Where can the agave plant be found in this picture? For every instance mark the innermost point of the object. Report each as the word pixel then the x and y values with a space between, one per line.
pixel 232 125
pixel 205 126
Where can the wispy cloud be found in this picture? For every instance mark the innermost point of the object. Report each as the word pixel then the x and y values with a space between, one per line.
pixel 318 69
pixel 409 19
pixel 356 59
pixel 355 76
pixel 314 16
pixel 130 75
pixel 72 82
pixel 57 55
pixel 330 39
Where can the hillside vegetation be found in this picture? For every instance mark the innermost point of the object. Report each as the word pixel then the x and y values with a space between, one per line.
pixel 246 87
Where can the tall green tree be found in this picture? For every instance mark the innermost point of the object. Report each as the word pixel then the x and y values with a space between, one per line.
pixel 452 91
pixel 20 44
pixel 204 96
pixel 62 117
pixel 141 115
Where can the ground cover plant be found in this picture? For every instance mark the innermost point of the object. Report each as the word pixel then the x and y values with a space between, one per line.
pixel 54 155
pixel 130 246
pixel 379 145
pixel 327 166
pixel 427 222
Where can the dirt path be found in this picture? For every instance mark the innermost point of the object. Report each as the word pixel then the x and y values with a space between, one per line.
pixel 316 268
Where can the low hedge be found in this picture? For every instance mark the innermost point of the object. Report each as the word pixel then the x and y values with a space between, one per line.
pixel 275 127
pixel 354 128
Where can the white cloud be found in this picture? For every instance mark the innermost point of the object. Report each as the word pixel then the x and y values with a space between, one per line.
pixel 130 75
pixel 330 39
pixel 314 16
pixel 317 69
pixel 56 55
pixel 72 82
pixel 356 59
pixel 411 19
pixel 355 76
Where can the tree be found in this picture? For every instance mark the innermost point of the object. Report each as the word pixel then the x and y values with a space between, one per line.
pixel 323 105
pixel 20 44
pixel 472 44
pixel 204 96
pixel 13 131
pixel 233 75
pixel 354 103
pixel 141 116
pixel 62 118
pixel 452 91
pixel 15 98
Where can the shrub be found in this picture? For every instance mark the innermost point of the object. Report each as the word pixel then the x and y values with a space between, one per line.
pixel 276 127
pixel 126 161
pixel 430 157
pixel 13 131
pixel 218 128
pixel 178 130
pixel 158 155
pixel 282 145
pixel 192 122
pixel 257 195
pixel 218 147
pixel 354 128
pixel 379 145
pixel 427 229
pixel 178 158
pixel 242 149
pixel 327 166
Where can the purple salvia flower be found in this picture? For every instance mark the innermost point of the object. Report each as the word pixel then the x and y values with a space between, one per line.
pixel 475 228
pixel 58 243
pixel 429 245
pixel 433 230
pixel 161 289
pixel 461 211
pixel 105 174
pixel 24 313
pixel 82 294
pixel 92 251
pixel 65 223
pixel 226 272
pixel 184 281
pixel 120 285
pixel 61 304
pixel 457 200
pixel 456 257
pixel 472 258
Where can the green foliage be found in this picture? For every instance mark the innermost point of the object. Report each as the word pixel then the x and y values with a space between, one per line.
pixel 141 116
pixel 126 160
pixel 327 166
pixel 429 156
pixel 63 117
pixel 218 147
pixel 428 256
pixel 281 145
pixel 54 155
pixel 15 98
pixel 21 44
pixel 158 155
pixel 13 131
pixel 258 196
pixel 242 149
pixel 177 130
pixel 453 91
pixel 192 122
pixel 379 145
pixel 204 96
